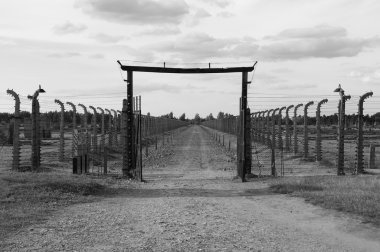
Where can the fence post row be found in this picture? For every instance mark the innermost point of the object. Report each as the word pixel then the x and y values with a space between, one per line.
pixel 16 131
pixel 318 141
pixel 359 168
pixel 61 155
pixel 295 134
pixel 306 130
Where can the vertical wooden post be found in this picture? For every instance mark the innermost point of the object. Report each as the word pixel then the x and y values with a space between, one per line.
pixel 36 134
pixel 129 145
pixel 61 154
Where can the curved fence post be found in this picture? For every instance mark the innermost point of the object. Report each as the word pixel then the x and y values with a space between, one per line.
pixel 102 137
pixel 109 127
pixel 306 130
pixel 295 134
pixel 318 140
pixel 84 126
pixel 273 143
pixel 267 128
pixel 280 142
pixel 74 125
pixel 287 130
pixel 115 140
pixel 61 154
pixel 94 130
pixel 16 132
pixel 360 139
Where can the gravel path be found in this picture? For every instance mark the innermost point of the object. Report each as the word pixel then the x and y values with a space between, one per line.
pixel 192 204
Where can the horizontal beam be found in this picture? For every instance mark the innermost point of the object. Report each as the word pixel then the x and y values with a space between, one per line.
pixel 185 70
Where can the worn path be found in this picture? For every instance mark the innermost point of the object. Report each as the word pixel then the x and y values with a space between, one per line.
pixel 192 204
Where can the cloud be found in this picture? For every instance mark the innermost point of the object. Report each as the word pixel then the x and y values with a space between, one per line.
pixel 366 75
pixel 136 11
pixel 219 3
pixel 315 42
pixel 97 56
pixel 162 30
pixel 225 14
pixel 195 16
pixel 201 46
pixel 64 55
pixel 69 28
pixel 105 38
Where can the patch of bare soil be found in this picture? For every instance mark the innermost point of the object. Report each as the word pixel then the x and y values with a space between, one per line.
pixel 193 203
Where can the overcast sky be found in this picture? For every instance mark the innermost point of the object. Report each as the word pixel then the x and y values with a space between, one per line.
pixel 304 50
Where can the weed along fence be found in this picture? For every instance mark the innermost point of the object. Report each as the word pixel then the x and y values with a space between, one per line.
pixel 311 137
pixel 86 139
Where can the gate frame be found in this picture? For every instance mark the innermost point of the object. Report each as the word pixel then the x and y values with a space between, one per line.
pixel 128 164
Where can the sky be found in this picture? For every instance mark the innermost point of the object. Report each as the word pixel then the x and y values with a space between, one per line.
pixel 304 50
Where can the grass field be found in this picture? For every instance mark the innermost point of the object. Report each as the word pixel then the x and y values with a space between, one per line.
pixel 359 195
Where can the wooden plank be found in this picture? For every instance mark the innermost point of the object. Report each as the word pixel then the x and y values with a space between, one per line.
pixel 184 70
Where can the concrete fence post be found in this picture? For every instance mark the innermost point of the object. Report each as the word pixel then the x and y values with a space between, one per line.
pixel 115 133
pixel 268 131
pixel 16 132
pixel 306 130
pixel 110 135
pixel 273 142
pixel 287 129
pixel 280 142
pixel 74 126
pixel 61 155
pixel 360 138
pixel 94 129
pixel 318 140
pixel 295 134
pixel 102 130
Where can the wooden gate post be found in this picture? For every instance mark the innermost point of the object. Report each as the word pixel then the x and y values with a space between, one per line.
pixel 61 154
pixel 318 141
pixel 16 132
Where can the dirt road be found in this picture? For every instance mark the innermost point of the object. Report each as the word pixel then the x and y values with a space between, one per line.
pixel 193 203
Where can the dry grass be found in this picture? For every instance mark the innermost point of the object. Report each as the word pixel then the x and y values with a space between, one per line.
pixel 28 198
pixel 353 194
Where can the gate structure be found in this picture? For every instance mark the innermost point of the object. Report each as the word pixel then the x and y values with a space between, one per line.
pixel 244 145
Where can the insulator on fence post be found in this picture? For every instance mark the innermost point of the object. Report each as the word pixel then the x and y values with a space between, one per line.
pixel 318 141
pixel 74 126
pixel 61 154
pixel 295 135
pixel 280 142
pixel 306 130
pixel 359 168
pixel 287 129
pixel 16 132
